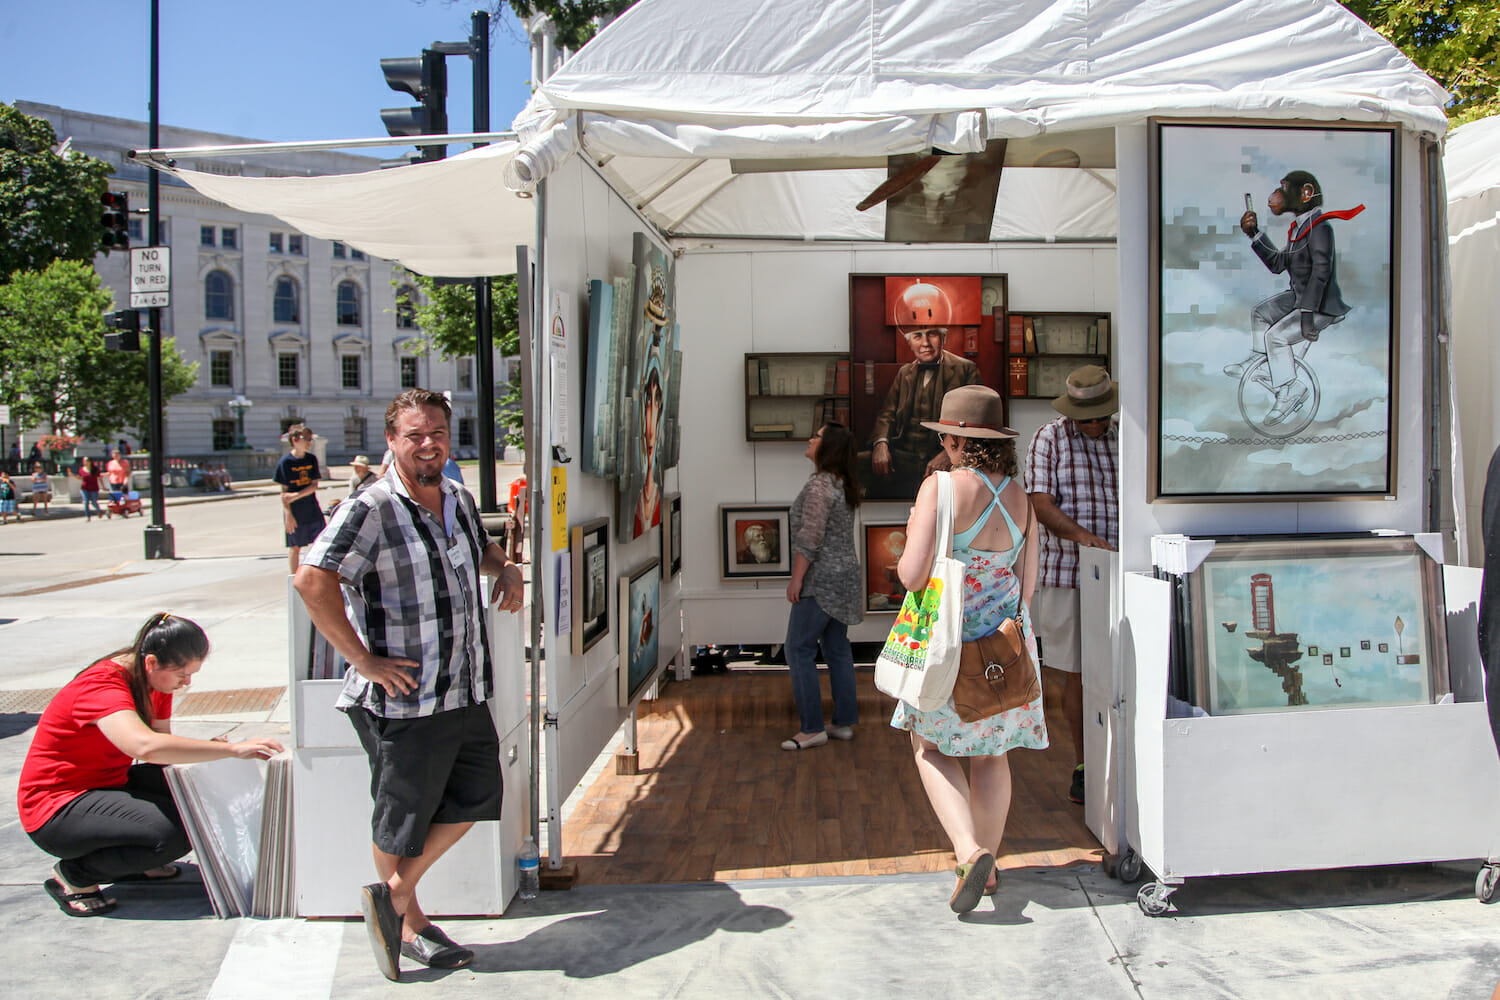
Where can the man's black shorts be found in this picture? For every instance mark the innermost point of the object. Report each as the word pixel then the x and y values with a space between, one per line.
pixel 442 768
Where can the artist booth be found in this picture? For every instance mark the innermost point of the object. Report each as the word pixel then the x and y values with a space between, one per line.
pixel 1283 669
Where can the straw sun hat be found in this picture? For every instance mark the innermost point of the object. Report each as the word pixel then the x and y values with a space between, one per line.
pixel 1090 396
pixel 975 411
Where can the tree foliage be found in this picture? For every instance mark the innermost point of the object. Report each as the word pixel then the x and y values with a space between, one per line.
pixel 445 316
pixel 54 368
pixel 1456 42
pixel 50 202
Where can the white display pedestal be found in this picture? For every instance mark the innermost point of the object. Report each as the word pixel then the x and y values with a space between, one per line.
pixel 1303 790
pixel 331 793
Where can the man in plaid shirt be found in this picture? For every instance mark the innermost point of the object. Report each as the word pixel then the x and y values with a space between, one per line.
pixel 1074 484
pixel 393 583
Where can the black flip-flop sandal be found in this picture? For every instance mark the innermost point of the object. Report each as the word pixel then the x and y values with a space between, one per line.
pixel 972 875
pixel 65 900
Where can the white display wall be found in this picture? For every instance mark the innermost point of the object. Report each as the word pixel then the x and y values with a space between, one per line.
pixel 588 237
pixel 735 299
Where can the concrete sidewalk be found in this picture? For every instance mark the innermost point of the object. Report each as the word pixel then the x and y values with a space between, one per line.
pixel 1411 931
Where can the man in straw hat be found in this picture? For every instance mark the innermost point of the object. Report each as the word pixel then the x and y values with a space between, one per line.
pixel 1071 472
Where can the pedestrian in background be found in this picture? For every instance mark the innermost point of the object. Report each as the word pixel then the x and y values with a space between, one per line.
pixel 88 485
pixel 7 498
pixel 41 489
pixel 117 474
pixel 298 474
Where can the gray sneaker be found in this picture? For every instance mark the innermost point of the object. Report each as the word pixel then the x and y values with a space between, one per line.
pixel 1289 399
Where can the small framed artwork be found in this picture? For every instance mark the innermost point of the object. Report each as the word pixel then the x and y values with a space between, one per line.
pixel 640 594
pixel 589 548
pixel 1292 596
pixel 671 538
pixel 1273 310
pixel 754 542
pixel 884 542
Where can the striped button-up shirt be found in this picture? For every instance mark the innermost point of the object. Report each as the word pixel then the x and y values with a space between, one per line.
pixel 412 589
pixel 1080 474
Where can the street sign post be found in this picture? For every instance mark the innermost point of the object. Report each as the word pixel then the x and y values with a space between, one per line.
pixel 150 278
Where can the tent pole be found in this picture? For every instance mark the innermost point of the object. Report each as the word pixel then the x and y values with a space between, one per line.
pixel 535 449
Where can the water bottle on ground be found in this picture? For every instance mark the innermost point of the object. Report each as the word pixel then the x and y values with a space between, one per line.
pixel 530 865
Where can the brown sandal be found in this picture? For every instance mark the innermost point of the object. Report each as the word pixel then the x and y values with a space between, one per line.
pixel 972 875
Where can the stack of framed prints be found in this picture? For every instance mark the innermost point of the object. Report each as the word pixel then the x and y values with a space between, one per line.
pixel 1309 623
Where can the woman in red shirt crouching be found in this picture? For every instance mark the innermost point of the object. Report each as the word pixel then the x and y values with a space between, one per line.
pixel 83 801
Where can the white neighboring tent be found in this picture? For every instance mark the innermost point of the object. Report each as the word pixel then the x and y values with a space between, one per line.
pixel 671 94
pixel 1471 163
pixel 448 218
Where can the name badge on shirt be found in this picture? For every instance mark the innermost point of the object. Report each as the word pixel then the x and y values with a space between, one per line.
pixel 458 552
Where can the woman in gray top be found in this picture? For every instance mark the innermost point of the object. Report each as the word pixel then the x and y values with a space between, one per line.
pixel 825 589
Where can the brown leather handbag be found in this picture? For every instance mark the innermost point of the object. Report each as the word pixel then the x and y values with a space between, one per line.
pixel 996 672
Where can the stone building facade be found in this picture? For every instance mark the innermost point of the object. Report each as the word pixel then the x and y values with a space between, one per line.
pixel 307 329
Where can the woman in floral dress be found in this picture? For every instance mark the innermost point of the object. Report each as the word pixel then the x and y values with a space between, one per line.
pixel 990 508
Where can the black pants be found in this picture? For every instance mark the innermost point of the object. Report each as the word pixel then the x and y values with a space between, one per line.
pixel 108 833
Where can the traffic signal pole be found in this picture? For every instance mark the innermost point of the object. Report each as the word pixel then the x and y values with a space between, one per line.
pixel 160 542
pixel 484 329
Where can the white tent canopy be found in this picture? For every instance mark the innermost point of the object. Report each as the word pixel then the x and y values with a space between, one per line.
pixel 668 96
pixel 693 111
pixel 1471 164
pixel 447 218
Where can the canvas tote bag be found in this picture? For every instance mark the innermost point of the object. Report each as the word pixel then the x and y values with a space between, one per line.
pixel 920 660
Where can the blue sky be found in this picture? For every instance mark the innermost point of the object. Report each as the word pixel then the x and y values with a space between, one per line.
pixel 272 69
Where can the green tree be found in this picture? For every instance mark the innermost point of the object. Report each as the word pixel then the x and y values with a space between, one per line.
pixel 50 202
pixel 1456 42
pixel 54 368
pixel 445 318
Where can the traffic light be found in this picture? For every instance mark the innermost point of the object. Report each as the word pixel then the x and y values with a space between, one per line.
pixel 426 79
pixel 114 222
pixel 128 322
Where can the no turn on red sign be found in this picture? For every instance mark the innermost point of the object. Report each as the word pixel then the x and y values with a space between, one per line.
pixel 150 277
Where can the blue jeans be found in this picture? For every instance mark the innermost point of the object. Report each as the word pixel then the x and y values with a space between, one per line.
pixel 91 499
pixel 806 625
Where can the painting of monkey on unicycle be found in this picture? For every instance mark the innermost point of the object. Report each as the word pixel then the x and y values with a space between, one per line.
pixel 1274 347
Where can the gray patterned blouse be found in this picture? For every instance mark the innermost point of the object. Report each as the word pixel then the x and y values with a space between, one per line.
pixel 823 531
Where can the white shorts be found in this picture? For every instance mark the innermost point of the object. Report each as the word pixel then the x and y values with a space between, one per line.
pixel 1054 615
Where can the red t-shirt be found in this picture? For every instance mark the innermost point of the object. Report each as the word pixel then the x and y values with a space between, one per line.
pixel 70 754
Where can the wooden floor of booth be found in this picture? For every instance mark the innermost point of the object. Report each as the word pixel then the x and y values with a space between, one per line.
pixel 717 799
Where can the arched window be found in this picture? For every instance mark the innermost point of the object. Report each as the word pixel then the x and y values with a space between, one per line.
pixel 348 304
pixel 218 296
pixel 286 303
pixel 406 308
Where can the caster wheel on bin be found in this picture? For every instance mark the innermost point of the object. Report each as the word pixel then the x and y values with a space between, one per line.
pixel 1152 899
pixel 1486 882
pixel 1129 868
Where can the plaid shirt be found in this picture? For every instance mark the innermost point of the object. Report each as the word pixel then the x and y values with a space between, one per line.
pixel 412 589
pixel 1079 473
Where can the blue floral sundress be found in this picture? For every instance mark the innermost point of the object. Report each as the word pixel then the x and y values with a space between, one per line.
pixel 992 592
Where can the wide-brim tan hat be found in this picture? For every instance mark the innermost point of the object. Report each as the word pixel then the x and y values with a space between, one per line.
pixel 360 460
pixel 1090 394
pixel 975 411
